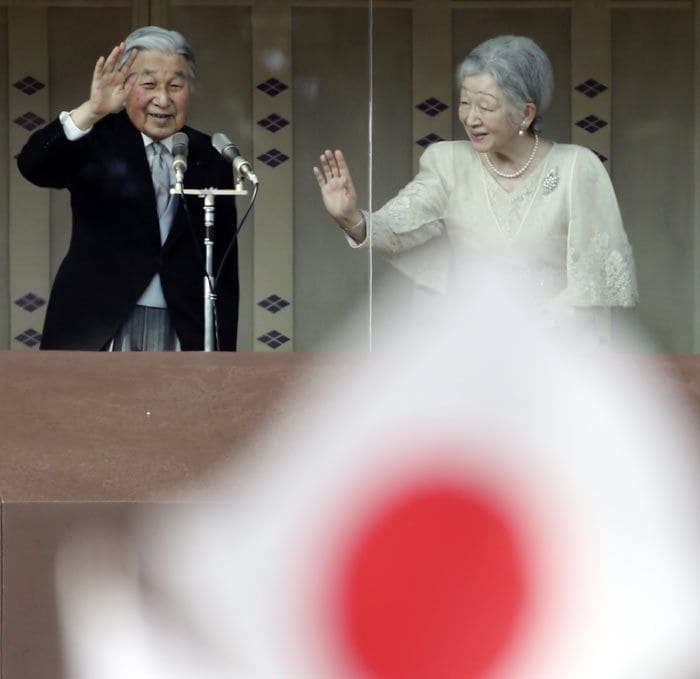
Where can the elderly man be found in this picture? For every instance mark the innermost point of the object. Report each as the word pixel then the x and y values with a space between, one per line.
pixel 133 275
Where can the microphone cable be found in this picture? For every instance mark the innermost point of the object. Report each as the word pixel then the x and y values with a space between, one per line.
pixel 227 252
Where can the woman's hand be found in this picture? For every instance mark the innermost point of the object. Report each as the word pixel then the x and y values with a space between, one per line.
pixel 111 84
pixel 339 195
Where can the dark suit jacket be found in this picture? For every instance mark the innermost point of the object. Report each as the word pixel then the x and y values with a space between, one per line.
pixel 115 244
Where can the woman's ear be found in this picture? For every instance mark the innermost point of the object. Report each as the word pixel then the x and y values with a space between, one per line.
pixel 530 112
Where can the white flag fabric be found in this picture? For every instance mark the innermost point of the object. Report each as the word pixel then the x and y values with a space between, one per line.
pixel 483 499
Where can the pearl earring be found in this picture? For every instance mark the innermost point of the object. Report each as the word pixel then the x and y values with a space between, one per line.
pixel 521 131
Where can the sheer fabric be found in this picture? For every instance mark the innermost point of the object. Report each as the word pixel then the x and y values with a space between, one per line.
pixel 561 229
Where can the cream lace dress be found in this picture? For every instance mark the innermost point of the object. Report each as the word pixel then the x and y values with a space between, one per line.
pixel 561 228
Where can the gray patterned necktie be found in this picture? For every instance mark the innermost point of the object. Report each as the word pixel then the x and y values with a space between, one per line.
pixel 161 176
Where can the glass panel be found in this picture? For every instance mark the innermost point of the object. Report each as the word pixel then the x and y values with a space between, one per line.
pixel 653 163
pixel 93 30
pixel 415 104
pixel 221 39
pixel 4 188
pixel 51 75
pixel 651 168
pixel 289 79
pixel 392 29
pixel 331 66
pixel 285 82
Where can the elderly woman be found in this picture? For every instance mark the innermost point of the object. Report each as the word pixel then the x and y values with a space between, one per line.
pixel 548 209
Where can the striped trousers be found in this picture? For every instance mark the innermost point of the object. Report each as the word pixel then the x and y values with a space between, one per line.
pixel 146 329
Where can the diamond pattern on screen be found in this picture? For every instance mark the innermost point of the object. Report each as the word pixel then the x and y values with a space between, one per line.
pixel 591 88
pixel 273 158
pixel 272 87
pixel 432 107
pixel 273 339
pixel 30 337
pixel 29 85
pixel 429 139
pixel 273 122
pixel 29 121
pixel 591 124
pixel 30 302
pixel 273 303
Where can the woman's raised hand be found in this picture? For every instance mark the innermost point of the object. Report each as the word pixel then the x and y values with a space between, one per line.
pixel 338 193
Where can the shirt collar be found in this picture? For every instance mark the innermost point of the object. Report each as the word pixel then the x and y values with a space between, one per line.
pixel 167 142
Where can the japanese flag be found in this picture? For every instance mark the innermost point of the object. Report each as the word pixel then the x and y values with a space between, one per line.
pixel 481 499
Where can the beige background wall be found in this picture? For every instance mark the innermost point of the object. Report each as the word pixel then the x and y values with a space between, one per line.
pixel 654 175
pixel 4 189
pixel 331 56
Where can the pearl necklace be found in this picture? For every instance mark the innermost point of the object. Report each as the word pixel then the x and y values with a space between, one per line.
pixel 513 175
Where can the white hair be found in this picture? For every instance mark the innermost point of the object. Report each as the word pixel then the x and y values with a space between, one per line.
pixel 159 40
pixel 519 66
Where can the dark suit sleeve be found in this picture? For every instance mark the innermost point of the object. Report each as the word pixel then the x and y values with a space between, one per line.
pixel 49 158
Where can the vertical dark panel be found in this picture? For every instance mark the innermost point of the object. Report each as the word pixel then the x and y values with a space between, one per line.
pixel 652 150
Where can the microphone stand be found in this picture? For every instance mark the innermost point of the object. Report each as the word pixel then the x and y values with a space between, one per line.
pixel 209 196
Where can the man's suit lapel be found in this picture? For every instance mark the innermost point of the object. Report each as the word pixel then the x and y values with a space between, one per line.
pixel 131 148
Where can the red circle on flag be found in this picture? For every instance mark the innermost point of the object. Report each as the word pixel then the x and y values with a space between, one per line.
pixel 434 586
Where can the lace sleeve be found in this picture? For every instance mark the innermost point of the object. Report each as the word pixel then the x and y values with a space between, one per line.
pixel 600 264
pixel 409 230
pixel 415 215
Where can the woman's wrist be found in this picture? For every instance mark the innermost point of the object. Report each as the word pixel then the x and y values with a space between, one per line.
pixel 355 228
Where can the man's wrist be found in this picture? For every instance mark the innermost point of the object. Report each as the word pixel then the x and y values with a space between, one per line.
pixel 70 129
pixel 84 117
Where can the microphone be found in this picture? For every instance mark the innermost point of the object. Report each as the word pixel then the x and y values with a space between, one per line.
pixel 180 143
pixel 230 151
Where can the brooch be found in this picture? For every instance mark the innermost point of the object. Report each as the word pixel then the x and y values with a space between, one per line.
pixel 550 181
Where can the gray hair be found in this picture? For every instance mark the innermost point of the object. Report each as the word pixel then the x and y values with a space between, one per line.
pixel 159 40
pixel 519 66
